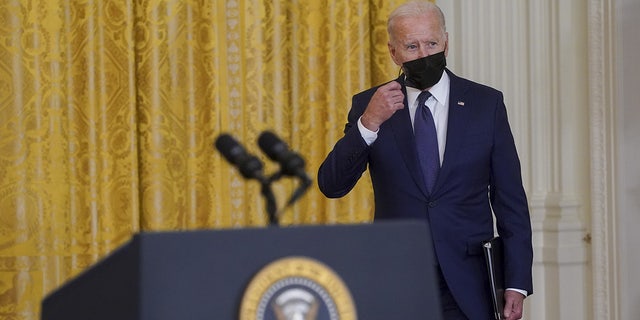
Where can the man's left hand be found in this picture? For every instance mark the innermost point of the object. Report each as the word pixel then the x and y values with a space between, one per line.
pixel 513 302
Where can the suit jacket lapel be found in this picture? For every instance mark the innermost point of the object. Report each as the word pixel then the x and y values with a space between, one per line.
pixel 456 126
pixel 400 123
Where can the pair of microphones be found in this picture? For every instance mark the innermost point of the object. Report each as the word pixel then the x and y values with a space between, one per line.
pixel 250 167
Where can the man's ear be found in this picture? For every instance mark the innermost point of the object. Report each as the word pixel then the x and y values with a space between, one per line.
pixel 392 52
pixel 446 44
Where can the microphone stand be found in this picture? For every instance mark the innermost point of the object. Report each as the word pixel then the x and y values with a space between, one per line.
pixel 270 201
pixel 271 206
pixel 305 182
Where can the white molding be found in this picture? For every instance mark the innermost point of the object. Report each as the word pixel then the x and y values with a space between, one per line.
pixel 601 106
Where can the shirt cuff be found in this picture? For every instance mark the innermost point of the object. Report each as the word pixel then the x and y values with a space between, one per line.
pixel 523 292
pixel 368 135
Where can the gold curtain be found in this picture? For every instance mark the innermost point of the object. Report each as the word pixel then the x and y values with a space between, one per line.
pixel 109 110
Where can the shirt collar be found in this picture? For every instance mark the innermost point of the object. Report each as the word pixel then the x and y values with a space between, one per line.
pixel 440 90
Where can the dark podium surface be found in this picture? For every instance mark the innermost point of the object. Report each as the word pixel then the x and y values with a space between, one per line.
pixel 387 267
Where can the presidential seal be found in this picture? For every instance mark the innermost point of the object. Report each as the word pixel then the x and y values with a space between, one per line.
pixel 297 288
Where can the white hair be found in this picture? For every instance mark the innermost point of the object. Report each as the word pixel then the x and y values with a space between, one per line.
pixel 413 9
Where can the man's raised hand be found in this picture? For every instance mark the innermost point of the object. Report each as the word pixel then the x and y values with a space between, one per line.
pixel 384 103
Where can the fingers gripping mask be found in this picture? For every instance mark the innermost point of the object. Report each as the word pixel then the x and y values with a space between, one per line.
pixel 424 72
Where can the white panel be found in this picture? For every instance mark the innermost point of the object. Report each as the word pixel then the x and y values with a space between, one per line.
pixel 628 194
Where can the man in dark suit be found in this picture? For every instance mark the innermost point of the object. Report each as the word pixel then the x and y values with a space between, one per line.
pixel 476 170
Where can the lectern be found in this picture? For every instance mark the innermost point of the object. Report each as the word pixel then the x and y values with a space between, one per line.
pixel 369 271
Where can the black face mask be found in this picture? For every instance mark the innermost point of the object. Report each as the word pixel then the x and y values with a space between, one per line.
pixel 424 72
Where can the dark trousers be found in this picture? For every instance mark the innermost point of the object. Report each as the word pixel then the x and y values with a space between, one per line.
pixel 450 309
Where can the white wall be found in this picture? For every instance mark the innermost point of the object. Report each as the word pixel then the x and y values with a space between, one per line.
pixel 570 71
pixel 571 87
pixel 628 161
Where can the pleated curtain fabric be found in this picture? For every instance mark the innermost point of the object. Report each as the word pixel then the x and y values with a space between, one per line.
pixel 109 110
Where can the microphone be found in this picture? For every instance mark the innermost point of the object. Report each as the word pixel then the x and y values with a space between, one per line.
pixel 291 163
pixel 249 165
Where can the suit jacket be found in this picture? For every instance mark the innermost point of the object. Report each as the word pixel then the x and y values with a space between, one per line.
pixel 480 172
